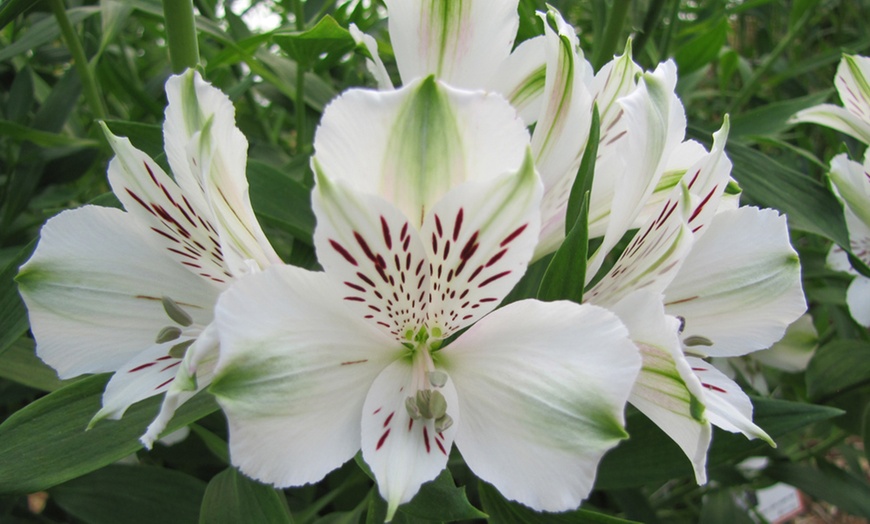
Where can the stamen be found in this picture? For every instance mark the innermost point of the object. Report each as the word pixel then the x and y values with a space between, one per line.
pixel 696 340
pixel 168 333
pixel 413 410
pixel 178 350
pixel 442 423
pixel 437 379
pixel 174 311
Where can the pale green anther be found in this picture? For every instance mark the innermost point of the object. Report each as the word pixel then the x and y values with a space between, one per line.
pixel 168 333
pixel 178 350
pixel 442 423
pixel 437 405
pixel 437 379
pixel 176 313
pixel 435 345
pixel 423 399
pixel 409 334
pixel 696 340
pixel 413 410
pixel 436 332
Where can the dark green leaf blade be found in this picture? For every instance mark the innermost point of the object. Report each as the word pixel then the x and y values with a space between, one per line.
pixel 837 367
pixel 828 483
pixel 132 495
pixel 325 37
pixel 502 511
pixel 631 464
pixel 232 498
pixel 45 443
pixel 13 315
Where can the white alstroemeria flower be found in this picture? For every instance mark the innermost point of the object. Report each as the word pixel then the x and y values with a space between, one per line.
pixel 700 280
pixel 133 292
pixel 853 85
pixel 852 186
pixel 427 206
pixel 551 85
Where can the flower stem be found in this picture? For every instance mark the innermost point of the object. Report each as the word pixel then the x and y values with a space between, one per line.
pixel 181 34
pixel 615 21
pixel 301 138
pixel 89 84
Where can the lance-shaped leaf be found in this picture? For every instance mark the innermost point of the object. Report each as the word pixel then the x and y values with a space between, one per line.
pixel 306 46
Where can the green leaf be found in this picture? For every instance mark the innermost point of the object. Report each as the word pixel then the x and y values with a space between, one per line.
pixel 281 200
pixel 20 95
pixel 13 315
pixel 632 464
pixel 721 507
pixel 325 37
pixel 827 482
pixel 20 364
pixel 45 443
pixel 147 137
pixel 865 431
pixel 838 367
pixel 702 49
pixel 232 498
pixel 502 511
pixel 772 119
pixel 441 500
pixel 808 203
pixel 12 8
pixel 214 443
pixel 565 276
pixel 132 495
pixel 43 32
pixel 43 138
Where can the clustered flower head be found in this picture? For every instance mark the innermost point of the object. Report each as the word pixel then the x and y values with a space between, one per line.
pixel 431 200
pixel 850 179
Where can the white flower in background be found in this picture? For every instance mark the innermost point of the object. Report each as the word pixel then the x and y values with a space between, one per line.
pixel 552 86
pixel 428 207
pixel 133 293
pixel 850 179
pixel 698 280
pixel 853 86
pixel 792 354
pixel 852 185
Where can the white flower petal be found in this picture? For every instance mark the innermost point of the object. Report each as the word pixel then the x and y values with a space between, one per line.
pixel 521 78
pixel 93 289
pixel 404 453
pixel 149 373
pixel 542 388
pixel 183 229
pixel 194 374
pixel 413 145
pixel 208 156
pixel 375 65
pixel 462 43
pixel 654 125
pixel 852 185
pixel 294 369
pixel 853 85
pixel 858 299
pixel 740 286
pixel 479 239
pixel 666 391
pixel 614 80
pixel 728 407
pixel 365 243
pixel 835 117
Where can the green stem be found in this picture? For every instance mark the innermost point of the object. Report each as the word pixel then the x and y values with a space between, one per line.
pixel 301 138
pixel 612 32
pixel 672 25
pixel 653 16
pixel 89 85
pixel 181 34
pixel 754 81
